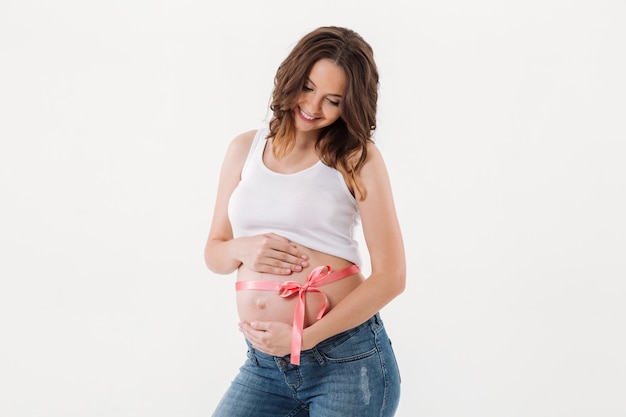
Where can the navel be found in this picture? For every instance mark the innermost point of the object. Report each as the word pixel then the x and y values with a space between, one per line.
pixel 260 304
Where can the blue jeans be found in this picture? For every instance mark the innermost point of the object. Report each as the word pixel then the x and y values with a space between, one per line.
pixel 351 374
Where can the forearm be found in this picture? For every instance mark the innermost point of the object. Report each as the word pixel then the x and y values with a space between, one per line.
pixel 220 256
pixel 357 307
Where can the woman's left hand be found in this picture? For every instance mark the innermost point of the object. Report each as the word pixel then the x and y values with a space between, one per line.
pixel 270 337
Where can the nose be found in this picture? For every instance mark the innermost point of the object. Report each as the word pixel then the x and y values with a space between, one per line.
pixel 316 103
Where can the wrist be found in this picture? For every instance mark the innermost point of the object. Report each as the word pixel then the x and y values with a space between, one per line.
pixel 309 340
pixel 236 252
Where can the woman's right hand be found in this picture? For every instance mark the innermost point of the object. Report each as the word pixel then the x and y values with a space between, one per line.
pixel 271 253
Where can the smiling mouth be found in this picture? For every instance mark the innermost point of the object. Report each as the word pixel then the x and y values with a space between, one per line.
pixel 306 116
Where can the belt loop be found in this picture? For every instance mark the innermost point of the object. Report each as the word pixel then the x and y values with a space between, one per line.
pixel 318 356
pixel 252 355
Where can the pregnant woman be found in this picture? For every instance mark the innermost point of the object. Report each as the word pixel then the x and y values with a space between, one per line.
pixel 289 198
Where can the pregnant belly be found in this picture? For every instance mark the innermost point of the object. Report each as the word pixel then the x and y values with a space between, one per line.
pixel 257 305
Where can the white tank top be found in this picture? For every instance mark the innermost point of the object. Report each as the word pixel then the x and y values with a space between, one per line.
pixel 312 207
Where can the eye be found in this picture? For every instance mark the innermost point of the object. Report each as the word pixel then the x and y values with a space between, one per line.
pixel 307 88
pixel 333 102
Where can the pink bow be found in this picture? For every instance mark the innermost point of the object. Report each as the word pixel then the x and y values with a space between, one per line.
pixel 287 289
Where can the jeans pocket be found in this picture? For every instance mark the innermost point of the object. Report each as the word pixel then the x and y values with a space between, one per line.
pixel 360 345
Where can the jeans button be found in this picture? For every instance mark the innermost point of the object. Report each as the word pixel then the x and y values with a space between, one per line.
pixel 282 362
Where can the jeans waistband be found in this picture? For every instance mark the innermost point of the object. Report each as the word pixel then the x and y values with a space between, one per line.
pixel 374 322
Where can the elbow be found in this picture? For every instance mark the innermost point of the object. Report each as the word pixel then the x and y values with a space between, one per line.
pixel 398 283
pixel 397 279
pixel 393 281
pixel 208 259
pixel 208 262
pixel 219 268
pixel 216 263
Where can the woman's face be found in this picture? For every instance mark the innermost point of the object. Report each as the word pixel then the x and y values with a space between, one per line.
pixel 318 104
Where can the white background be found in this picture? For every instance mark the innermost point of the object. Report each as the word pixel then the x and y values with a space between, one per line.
pixel 503 127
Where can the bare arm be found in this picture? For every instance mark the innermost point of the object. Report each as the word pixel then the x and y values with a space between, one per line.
pixel 264 253
pixel 384 241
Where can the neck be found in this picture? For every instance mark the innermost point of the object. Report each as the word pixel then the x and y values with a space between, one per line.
pixel 306 140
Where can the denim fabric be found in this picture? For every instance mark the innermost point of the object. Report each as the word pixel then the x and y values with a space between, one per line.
pixel 351 374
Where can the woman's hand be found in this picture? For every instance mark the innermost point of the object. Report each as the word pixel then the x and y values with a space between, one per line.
pixel 271 253
pixel 270 337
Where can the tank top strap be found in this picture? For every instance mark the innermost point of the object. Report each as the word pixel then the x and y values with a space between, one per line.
pixel 256 149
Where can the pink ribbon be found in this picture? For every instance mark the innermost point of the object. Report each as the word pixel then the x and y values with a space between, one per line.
pixel 320 275
pixel 287 289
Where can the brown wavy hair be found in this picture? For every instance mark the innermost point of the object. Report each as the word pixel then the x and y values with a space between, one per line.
pixel 342 145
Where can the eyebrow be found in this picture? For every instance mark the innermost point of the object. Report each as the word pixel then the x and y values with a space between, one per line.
pixel 331 94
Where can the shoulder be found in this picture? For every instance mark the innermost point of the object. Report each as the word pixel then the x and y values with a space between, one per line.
pixel 240 147
pixel 374 159
pixel 373 152
pixel 242 142
pixel 237 153
pixel 373 174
